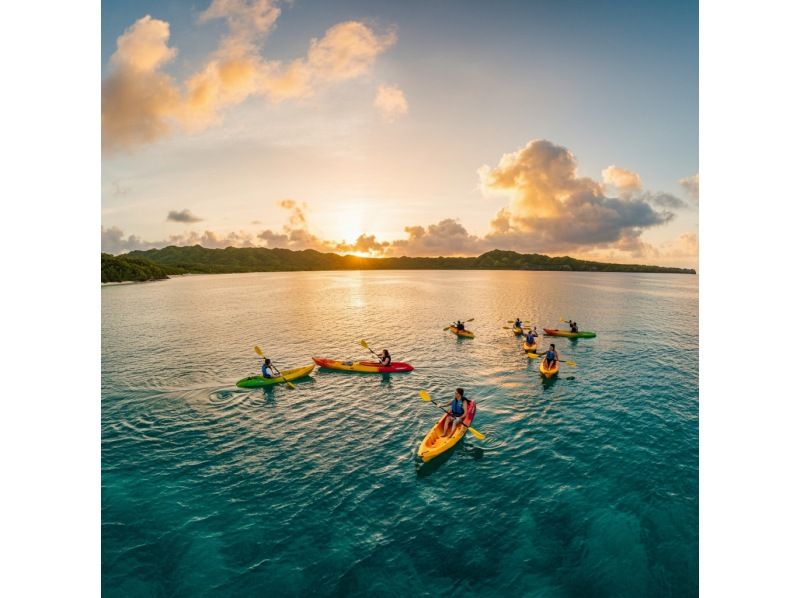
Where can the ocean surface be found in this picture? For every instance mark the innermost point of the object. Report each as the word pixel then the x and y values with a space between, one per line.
pixel 586 485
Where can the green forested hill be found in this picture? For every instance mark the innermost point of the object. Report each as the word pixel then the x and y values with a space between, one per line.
pixel 126 268
pixel 197 259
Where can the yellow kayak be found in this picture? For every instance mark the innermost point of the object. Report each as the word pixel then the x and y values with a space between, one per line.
pixel 548 372
pixel 434 444
pixel 516 330
pixel 464 333
pixel 528 347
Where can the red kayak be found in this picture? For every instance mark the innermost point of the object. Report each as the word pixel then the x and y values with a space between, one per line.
pixel 369 367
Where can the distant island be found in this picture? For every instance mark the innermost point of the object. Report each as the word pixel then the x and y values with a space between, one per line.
pixel 155 264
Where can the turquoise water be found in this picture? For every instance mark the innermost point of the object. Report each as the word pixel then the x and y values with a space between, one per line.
pixel 586 485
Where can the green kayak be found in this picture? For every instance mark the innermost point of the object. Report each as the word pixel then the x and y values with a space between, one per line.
pixel 568 334
pixel 259 381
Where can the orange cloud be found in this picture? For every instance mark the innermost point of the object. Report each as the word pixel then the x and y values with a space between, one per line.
pixel 391 102
pixel 142 104
pixel 626 182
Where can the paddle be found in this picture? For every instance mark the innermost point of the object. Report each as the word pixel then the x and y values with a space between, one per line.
pixel 453 325
pixel 426 397
pixel 289 384
pixel 533 355
pixel 364 344
pixel 523 321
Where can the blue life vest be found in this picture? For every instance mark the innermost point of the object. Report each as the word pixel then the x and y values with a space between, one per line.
pixel 530 338
pixel 550 356
pixel 457 407
pixel 264 371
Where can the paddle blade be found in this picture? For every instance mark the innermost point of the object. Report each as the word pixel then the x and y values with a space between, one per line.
pixel 572 363
pixel 471 320
pixel 290 385
pixel 476 434
pixel 448 328
pixel 258 350
pixel 425 396
pixel 533 356
pixel 363 343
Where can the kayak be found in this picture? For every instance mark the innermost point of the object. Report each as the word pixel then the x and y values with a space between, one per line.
pixel 548 372
pixel 464 333
pixel 366 367
pixel 259 381
pixel 528 347
pixel 568 334
pixel 434 444
pixel 516 330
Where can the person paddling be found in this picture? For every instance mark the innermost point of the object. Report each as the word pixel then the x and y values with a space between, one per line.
pixel 268 370
pixel 458 410
pixel 385 359
pixel 551 357
pixel 460 325
pixel 573 326
pixel 518 323
pixel 530 338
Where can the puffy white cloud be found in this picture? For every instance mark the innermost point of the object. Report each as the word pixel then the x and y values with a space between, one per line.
pixel 391 102
pixel 552 209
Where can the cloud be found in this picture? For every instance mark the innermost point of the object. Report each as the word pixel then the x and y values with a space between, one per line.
pixel 347 50
pixel 295 234
pixel 391 102
pixel 661 199
pixel 113 240
pixel 446 238
pixel 183 216
pixel 141 103
pixel 691 184
pixel 626 182
pixel 552 209
pixel 138 101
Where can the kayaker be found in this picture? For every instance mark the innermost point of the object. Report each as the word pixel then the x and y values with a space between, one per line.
pixel 530 338
pixel 460 325
pixel 268 370
pixel 518 323
pixel 458 409
pixel 551 357
pixel 385 359
pixel 573 326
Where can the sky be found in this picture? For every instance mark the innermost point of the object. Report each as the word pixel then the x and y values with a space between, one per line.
pixel 383 128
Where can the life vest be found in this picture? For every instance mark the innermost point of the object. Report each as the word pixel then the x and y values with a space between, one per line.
pixel 457 407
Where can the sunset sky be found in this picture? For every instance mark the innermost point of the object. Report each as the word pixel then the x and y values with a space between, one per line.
pixel 403 128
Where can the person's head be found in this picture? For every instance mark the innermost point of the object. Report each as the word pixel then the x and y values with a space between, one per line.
pixel 386 352
pixel 552 347
pixel 267 361
pixel 460 393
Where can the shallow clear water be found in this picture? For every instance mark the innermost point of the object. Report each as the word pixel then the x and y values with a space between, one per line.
pixel 586 485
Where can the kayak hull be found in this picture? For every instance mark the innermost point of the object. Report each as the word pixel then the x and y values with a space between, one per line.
pixel 568 334
pixel 516 330
pixel 528 347
pixel 464 333
pixel 434 443
pixel 261 381
pixel 548 372
pixel 364 367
